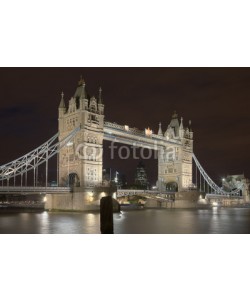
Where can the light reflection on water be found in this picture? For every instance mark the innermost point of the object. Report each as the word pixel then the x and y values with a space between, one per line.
pixel 216 220
pixel 62 222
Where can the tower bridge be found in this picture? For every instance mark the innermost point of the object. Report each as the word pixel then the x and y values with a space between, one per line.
pixel 134 137
pixel 78 146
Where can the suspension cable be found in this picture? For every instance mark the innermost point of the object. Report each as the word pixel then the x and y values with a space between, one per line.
pixel 35 158
pixel 211 183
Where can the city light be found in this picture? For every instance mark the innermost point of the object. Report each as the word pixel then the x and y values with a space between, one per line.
pixel 91 194
pixel 148 131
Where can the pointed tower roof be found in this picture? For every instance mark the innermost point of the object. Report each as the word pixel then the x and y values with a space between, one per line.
pixel 174 116
pixel 160 130
pixel 100 101
pixel 190 123
pixel 62 103
pixel 81 81
pixel 81 92
pixel 181 125
pixel 175 124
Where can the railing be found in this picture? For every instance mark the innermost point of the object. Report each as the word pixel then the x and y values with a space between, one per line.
pixel 228 197
pixel 29 189
pixel 114 125
pixel 128 192
pixel 136 132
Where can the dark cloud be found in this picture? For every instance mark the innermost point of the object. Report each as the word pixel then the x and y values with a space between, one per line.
pixel 15 111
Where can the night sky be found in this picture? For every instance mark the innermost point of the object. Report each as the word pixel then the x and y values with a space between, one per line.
pixel 217 100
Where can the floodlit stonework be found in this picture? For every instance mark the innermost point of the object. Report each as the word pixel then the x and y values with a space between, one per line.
pixel 175 160
pixel 81 162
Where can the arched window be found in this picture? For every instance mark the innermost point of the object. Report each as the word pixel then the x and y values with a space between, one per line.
pixel 73 180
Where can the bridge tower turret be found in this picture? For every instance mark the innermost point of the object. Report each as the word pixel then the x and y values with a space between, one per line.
pixel 100 102
pixel 175 159
pixel 186 157
pixel 81 162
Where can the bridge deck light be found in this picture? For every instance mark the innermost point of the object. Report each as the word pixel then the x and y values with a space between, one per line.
pixel 148 131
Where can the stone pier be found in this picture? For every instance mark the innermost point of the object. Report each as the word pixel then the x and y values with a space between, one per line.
pixel 80 199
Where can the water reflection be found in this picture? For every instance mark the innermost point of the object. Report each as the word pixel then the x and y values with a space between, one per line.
pixel 215 220
pixel 44 222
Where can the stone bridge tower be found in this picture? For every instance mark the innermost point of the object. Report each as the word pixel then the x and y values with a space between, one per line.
pixel 175 160
pixel 81 162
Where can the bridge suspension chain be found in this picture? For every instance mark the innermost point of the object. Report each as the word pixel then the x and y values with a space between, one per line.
pixel 212 184
pixel 35 158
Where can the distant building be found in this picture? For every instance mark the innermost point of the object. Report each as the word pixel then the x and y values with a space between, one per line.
pixel 123 181
pixel 114 177
pixel 237 183
pixel 232 182
pixel 106 174
pixel 141 179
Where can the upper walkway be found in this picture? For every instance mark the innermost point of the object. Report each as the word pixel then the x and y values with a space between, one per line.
pixel 132 136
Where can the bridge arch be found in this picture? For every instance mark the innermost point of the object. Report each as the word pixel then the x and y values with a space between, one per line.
pixel 73 180
pixel 172 186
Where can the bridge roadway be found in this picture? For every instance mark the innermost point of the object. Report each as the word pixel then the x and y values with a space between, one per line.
pixel 132 136
pixel 24 190
pixel 127 192
pixel 218 196
pixel 153 194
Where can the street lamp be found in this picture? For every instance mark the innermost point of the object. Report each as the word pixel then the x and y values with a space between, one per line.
pixel 116 177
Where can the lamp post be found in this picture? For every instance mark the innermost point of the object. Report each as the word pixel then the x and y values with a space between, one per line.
pixel 116 177
pixel 223 181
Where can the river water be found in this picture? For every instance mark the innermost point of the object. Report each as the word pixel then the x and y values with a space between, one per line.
pixel 214 220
